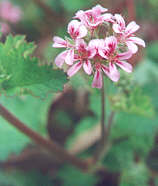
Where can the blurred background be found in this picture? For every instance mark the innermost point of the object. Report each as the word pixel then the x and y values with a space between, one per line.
pixel 73 115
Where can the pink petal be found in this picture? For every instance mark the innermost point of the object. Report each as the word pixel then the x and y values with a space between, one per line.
pixel 74 69
pixel 132 47
pixel 59 60
pixel 59 42
pixel 95 24
pixel 117 28
pixel 111 43
pixel 125 66
pixel 98 9
pixel 87 67
pixel 104 52
pixel 82 31
pixel 69 59
pixel 108 17
pixel 137 40
pixel 80 44
pixel 76 29
pixel 79 14
pixel 91 52
pixel 120 21
pixel 124 55
pixel 112 72
pixel 97 81
pixel 96 43
pixel 131 28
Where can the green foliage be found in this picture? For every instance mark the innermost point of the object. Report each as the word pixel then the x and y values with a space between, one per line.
pixel 31 111
pixel 136 175
pixel 134 102
pixel 19 178
pixel 138 130
pixel 21 73
pixel 71 5
pixel 152 51
pixel 119 157
pixel 71 176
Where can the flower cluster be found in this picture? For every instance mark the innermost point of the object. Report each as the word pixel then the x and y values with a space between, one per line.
pixel 8 14
pixel 97 56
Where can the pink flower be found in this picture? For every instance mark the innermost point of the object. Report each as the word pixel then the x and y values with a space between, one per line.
pixel 5 29
pixel 9 12
pixel 83 57
pixel 96 55
pixel 65 56
pixel 126 33
pixel 76 29
pixel 110 53
pixel 92 18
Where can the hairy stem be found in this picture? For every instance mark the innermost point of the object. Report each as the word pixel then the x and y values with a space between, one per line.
pixel 105 130
pixel 102 141
pixel 48 145
pixel 103 115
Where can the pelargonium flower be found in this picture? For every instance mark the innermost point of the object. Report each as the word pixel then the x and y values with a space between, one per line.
pixel 76 30
pixel 126 34
pixel 9 12
pixel 85 53
pixel 93 18
pixel 107 50
pixel 98 56
pixel 110 53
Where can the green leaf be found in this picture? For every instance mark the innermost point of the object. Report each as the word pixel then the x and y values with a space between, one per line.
pixel 30 110
pixel 135 102
pixel 136 175
pixel 21 73
pixel 139 132
pixel 119 157
pixel 71 176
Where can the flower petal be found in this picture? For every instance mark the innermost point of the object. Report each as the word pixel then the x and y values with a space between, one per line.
pixel 111 72
pixel 104 52
pixel 108 17
pixel 124 55
pixel 125 66
pixel 132 47
pixel 87 67
pixel 131 28
pixel 80 44
pixel 74 69
pixel 117 28
pixel 120 21
pixel 97 81
pixel 137 40
pixel 111 43
pixel 76 29
pixel 59 60
pixel 59 42
pixel 98 9
pixel 69 59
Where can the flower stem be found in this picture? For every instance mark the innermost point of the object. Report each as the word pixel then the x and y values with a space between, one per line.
pixel 48 145
pixel 105 131
pixel 103 115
